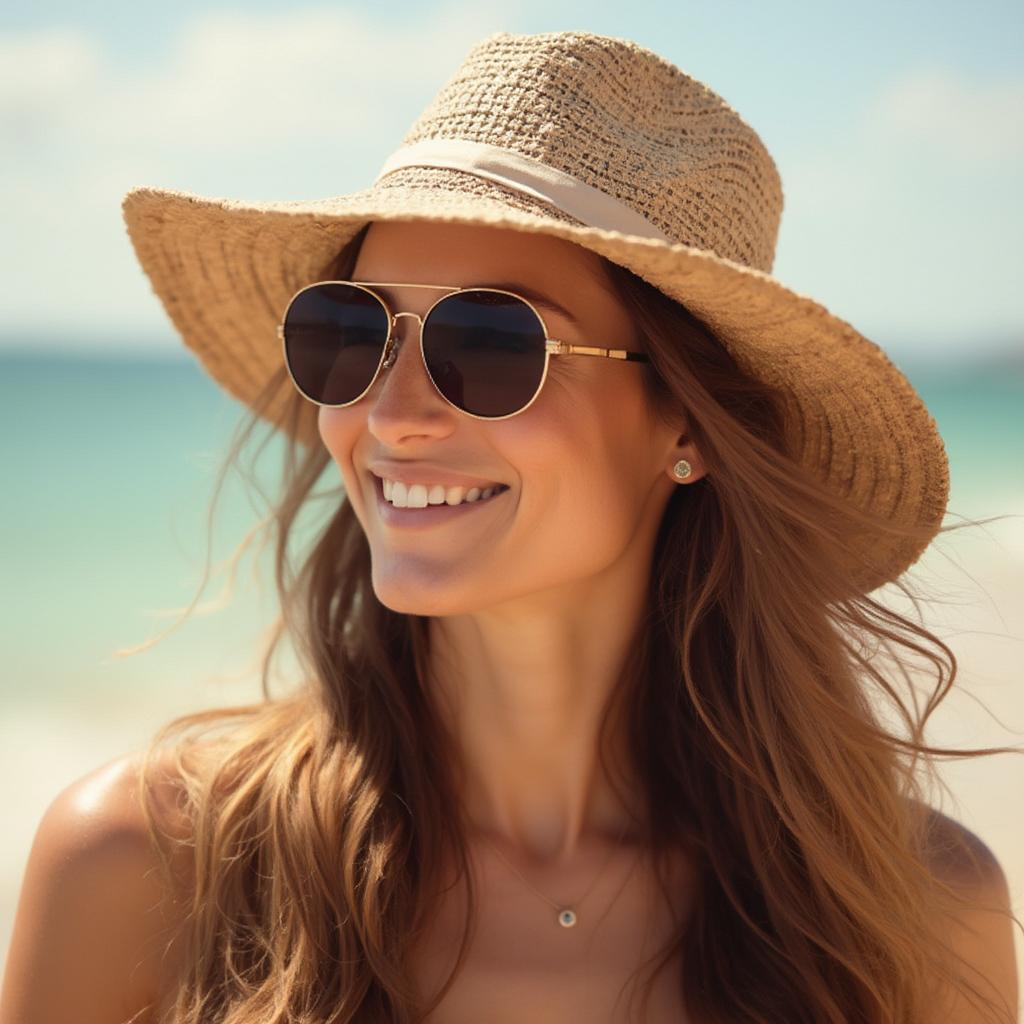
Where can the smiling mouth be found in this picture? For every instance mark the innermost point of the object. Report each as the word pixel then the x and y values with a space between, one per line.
pixel 411 515
pixel 418 496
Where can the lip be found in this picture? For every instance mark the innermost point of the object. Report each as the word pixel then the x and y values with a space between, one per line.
pixel 432 515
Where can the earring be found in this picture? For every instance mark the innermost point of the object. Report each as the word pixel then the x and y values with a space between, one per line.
pixel 682 469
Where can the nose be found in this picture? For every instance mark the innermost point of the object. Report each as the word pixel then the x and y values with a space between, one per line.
pixel 403 399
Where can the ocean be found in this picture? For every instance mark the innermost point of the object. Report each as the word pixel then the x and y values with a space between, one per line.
pixel 109 462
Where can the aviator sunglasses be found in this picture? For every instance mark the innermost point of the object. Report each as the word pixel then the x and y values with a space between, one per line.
pixel 486 350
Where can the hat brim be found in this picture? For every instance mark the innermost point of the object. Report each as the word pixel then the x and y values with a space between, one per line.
pixel 225 270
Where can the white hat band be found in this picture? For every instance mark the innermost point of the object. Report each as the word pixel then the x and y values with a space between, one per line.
pixel 508 167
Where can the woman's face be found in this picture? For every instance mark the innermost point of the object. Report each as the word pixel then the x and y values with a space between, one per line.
pixel 586 465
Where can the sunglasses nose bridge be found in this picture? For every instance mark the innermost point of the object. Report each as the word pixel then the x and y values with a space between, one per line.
pixel 394 342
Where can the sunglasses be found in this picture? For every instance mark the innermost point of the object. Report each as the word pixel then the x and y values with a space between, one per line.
pixel 486 350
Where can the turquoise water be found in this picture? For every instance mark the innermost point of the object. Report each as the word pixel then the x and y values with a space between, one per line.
pixel 108 465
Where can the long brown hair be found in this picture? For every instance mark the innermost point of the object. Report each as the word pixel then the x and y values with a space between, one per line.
pixel 318 820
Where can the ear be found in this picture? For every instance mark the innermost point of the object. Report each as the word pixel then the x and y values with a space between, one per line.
pixel 672 441
pixel 683 447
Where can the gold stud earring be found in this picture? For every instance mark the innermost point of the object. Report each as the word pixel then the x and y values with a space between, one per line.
pixel 682 469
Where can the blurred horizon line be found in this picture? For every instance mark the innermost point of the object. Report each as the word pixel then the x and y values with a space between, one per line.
pixel 998 352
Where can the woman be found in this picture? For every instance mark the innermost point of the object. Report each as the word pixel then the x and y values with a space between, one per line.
pixel 584 730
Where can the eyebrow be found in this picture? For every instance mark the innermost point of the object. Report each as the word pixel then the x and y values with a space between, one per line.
pixel 538 298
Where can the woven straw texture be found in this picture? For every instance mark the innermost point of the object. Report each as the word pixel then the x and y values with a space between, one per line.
pixel 621 119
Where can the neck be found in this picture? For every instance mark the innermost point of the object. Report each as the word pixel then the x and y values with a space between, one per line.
pixel 524 704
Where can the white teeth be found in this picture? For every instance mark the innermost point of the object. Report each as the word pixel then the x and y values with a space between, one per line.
pixel 419 496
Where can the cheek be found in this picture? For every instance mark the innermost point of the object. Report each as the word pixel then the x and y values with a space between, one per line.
pixel 340 430
pixel 337 429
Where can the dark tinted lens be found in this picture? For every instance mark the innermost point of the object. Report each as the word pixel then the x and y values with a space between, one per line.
pixel 333 340
pixel 485 351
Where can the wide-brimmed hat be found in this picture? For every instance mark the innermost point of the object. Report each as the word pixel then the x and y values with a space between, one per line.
pixel 604 143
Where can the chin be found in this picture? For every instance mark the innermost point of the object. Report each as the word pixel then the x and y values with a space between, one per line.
pixel 409 597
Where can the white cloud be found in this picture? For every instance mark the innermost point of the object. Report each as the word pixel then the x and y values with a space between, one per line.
pixel 952 117
pixel 283 105
pixel 46 82
pixel 252 81
pixel 907 221
pixel 43 70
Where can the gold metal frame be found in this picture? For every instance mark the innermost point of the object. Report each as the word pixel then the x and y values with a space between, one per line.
pixel 552 347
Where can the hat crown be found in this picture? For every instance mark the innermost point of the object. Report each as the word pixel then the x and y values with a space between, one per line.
pixel 621 119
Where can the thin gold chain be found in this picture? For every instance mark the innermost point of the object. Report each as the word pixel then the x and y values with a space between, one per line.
pixel 548 900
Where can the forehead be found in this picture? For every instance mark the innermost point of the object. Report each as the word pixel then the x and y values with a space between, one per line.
pixel 562 280
pixel 559 277
pixel 453 253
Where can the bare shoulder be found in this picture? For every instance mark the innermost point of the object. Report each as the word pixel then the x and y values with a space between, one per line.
pixel 983 932
pixel 95 928
pixel 958 855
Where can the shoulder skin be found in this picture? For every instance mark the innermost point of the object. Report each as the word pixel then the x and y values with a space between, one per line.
pixel 93 936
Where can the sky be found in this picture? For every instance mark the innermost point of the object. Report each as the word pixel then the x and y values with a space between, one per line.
pixel 898 130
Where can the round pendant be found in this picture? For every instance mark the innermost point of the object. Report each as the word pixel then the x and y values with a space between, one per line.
pixel 567 918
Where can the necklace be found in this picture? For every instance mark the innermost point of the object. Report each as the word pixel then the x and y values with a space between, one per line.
pixel 566 916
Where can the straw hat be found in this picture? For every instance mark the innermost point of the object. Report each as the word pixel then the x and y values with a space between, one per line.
pixel 602 142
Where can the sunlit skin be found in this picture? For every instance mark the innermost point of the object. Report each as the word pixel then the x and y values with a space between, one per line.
pixel 533 600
